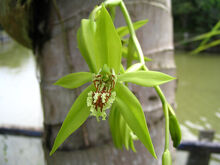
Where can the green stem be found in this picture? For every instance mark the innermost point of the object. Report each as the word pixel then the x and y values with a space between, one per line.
pixel 131 50
pixel 132 31
pixel 141 58
pixel 166 114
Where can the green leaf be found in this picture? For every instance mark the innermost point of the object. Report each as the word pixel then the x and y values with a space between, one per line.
pixel 174 127
pixel 215 28
pixel 135 56
pixel 114 120
pixel 121 132
pixel 77 115
pixel 107 42
pixel 131 144
pixel 199 37
pixel 85 40
pixel 145 78
pixel 204 47
pixel 74 80
pixel 133 114
pixel 123 31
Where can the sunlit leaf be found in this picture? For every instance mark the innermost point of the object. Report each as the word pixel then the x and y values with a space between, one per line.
pixel 77 115
pixel 123 31
pixel 107 42
pixel 74 80
pixel 204 47
pixel 85 41
pixel 214 29
pixel 145 78
pixel 133 114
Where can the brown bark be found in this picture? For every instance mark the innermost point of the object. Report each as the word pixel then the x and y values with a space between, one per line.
pixel 91 144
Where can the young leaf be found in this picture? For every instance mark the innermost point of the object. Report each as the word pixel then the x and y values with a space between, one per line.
pixel 114 120
pixel 123 31
pixel 77 115
pixel 135 56
pixel 85 40
pixel 133 114
pixel 204 47
pixel 121 133
pixel 74 80
pixel 145 78
pixel 174 127
pixel 107 42
pixel 131 144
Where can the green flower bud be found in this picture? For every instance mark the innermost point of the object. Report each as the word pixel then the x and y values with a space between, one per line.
pixel 166 158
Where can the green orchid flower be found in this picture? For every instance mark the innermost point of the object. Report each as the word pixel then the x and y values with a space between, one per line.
pixel 100 45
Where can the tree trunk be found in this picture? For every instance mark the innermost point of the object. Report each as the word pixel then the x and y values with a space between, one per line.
pixel 91 144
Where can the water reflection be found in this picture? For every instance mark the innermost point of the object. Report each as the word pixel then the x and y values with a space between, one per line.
pixel 13 55
pixel 198 96
pixel 198 92
pixel 20 95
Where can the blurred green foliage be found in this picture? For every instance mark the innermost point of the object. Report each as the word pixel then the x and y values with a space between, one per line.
pixel 195 16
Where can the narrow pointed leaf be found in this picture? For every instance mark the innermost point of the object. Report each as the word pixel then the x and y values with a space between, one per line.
pixel 77 115
pixel 215 28
pixel 114 121
pixel 145 78
pixel 85 41
pixel 133 114
pixel 207 46
pixel 131 144
pixel 74 80
pixel 107 42
pixel 121 133
pixel 174 127
pixel 123 31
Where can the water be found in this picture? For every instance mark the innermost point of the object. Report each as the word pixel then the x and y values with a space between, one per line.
pixel 20 103
pixel 198 95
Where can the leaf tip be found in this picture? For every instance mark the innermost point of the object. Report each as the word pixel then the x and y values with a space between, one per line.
pixel 155 156
pixel 52 152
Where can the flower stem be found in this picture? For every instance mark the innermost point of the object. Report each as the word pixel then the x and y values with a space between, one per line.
pixel 141 58
pixel 132 32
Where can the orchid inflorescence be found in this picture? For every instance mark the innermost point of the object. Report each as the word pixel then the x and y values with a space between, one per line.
pixel 101 99
pixel 101 46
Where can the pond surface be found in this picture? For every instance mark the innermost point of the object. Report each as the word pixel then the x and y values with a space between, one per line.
pixel 198 93
pixel 198 98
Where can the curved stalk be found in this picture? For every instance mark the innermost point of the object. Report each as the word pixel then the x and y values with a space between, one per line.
pixel 141 58
pixel 132 31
